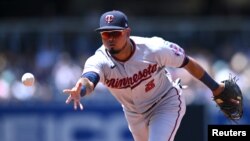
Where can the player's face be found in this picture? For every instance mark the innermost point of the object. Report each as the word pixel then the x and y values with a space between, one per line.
pixel 115 40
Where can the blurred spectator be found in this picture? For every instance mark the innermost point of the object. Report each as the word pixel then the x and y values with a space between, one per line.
pixel 65 72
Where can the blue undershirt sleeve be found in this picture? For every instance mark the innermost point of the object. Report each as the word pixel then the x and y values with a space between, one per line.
pixel 92 76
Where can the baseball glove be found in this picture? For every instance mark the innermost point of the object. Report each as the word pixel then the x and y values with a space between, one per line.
pixel 230 101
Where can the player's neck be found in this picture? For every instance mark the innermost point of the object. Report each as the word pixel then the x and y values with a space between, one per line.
pixel 125 54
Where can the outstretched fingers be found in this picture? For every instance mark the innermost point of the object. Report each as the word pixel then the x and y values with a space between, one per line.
pixel 74 90
pixel 69 99
pixel 74 95
pixel 78 103
pixel 67 91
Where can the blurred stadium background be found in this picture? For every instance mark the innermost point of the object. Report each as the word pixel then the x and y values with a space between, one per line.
pixel 53 38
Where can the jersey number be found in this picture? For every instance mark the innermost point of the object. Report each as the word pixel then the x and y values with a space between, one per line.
pixel 150 85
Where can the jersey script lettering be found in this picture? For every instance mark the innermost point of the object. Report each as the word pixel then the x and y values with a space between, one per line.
pixel 134 80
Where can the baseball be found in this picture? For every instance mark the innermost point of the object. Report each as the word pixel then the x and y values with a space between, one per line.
pixel 28 79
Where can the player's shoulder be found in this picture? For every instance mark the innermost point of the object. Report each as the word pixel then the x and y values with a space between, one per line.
pixel 100 56
pixel 147 40
pixel 101 50
pixel 153 42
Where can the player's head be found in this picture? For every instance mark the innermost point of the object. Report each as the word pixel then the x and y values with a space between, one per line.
pixel 113 20
pixel 114 31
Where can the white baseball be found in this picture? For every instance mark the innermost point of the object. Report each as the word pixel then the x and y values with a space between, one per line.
pixel 28 79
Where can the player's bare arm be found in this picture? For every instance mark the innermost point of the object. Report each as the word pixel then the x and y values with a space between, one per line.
pixel 198 72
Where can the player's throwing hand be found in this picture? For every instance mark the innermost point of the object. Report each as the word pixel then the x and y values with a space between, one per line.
pixel 82 88
pixel 74 94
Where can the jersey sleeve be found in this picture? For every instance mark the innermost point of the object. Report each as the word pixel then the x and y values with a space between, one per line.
pixel 94 64
pixel 170 54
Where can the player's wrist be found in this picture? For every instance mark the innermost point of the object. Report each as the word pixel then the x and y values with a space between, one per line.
pixel 219 90
pixel 209 81
pixel 86 86
pixel 83 91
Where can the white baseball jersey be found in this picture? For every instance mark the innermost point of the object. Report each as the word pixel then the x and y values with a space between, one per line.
pixel 140 81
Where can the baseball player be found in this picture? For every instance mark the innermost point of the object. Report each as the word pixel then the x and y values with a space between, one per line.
pixel 134 69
